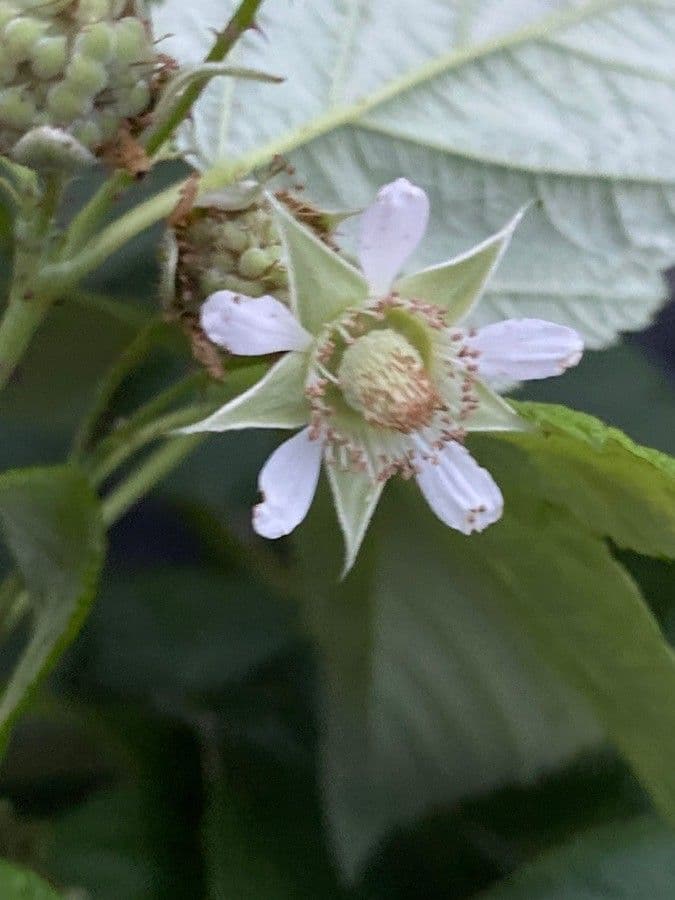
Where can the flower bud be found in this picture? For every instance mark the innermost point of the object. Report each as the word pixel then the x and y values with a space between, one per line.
pixel 50 149
pixel 230 243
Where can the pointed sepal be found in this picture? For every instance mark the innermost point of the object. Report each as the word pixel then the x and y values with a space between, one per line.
pixel 276 401
pixel 322 284
pixel 457 285
pixel 355 496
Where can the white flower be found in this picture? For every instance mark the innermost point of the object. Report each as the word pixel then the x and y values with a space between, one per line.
pixel 379 372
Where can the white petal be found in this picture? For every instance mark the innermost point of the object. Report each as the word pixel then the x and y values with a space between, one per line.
pixel 251 326
pixel 523 349
pixel 391 228
pixel 287 483
pixel 459 491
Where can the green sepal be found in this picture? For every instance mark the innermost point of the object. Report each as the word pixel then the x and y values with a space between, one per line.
pixel 457 285
pixel 355 496
pixel 322 284
pixel 276 401
pixel 494 413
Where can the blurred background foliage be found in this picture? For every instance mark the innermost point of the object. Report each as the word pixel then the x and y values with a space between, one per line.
pixel 184 745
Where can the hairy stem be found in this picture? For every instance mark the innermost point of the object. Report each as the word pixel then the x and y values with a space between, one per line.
pixel 120 451
pixel 20 321
pixel 241 21
pixel 147 475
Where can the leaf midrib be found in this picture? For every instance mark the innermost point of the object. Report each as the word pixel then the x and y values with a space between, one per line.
pixel 352 114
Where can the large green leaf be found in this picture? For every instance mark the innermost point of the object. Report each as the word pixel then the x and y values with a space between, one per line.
pixel 631 861
pixel 219 626
pixel 487 106
pixel 620 489
pixel 263 835
pixel 52 525
pixel 20 884
pixel 440 668
pixel 430 693
pixel 121 843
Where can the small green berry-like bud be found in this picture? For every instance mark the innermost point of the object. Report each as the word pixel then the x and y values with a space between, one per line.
pixel 131 42
pixel 233 238
pixel 73 63
pixel 7 13
pixel 87 133
pixel 88 11
pixel 52 150
pixel 49 56
pixel 244 286
pixel 254 262
pixel 16 107
pixel 135 100
pixel 7 70
pixel 85 76
pixel 65 104
pixel 19 35
pixel 96 41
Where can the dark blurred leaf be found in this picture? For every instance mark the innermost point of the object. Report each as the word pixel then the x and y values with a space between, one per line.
pixel 138 839
pixel 20 884
pixel 114 845
pixel 184 630
pixel 431 692
pixel 52 524
pixel 58 376
pixel 634 861
pixel 263 834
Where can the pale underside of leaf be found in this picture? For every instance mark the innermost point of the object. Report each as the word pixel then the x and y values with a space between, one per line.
pixel 486 108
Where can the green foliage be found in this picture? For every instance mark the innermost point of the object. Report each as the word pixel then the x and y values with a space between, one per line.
pixel 219 625
pixel 625 862
pixel 52 525
pixel 19 884
pixel 617 488
pixel 457 716
pixel 263 837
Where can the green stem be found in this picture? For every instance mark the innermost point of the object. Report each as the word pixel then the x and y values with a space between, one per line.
pixel 86 221
pixel 160 428
pixel 56 277
pixel 241 21
pixel 21 319
pixel 147 424
pixel 135 353
pixel 148 474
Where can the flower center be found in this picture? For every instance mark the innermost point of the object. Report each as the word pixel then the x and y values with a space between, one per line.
pixel 382 376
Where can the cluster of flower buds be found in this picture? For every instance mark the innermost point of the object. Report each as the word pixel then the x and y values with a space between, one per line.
pixel 228 241
pixel 81 66
pixel 236 250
